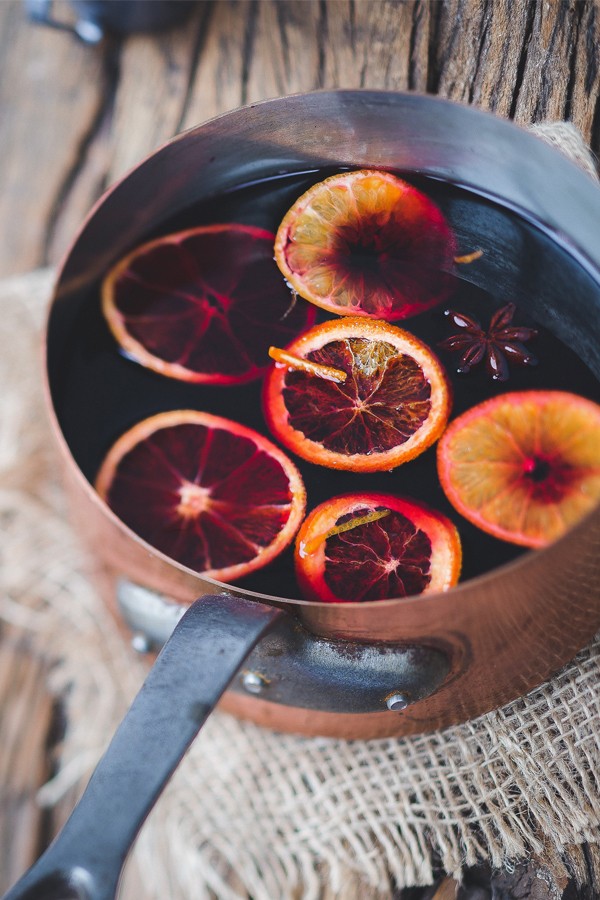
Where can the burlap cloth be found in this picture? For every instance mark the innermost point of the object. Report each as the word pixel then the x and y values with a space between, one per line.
pixel 250 812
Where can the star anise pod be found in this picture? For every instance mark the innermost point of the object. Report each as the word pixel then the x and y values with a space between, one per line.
pixel 502 342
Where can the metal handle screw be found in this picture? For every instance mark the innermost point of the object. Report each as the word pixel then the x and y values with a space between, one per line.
pixel 253 682
pixel 141 643
pixel 397 702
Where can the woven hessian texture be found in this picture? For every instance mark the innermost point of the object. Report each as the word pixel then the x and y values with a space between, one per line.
pixel 251 813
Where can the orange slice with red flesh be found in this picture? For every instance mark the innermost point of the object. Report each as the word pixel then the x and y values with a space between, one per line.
pixel 392 405
pixel 524 466
pixel 360 547
pixel 209 493
pixel 203 305
pixel 367 243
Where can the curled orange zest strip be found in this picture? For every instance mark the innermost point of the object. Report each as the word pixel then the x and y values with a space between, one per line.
pixel 469 257
pixel 305 365
pixel 308 547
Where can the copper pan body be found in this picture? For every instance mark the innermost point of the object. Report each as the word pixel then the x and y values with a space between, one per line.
pixel 505 632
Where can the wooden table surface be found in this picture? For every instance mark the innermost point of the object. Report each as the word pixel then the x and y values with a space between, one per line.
pixel 73 118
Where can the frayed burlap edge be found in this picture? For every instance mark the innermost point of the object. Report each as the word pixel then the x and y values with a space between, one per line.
pixel 255 814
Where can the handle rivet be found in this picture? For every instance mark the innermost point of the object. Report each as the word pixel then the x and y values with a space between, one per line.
pixel 397 702
pixel 253 682
pixel 141 643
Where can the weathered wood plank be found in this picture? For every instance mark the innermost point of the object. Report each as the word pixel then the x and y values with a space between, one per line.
pixel 145 90
pixel 583 104
pixel 549 58
pixel 25 721
pixel 476 52
pixel 377 45
pixel 51 97
pixel 285 54
pixel 220 81
pixel 150 99
pixel 532 60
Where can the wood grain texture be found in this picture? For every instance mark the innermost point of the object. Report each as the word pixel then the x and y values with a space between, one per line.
pixel 49 107
pixel 26 715
pixel 91 113
pixel 75 118
pixel 154 77
pixel 374 45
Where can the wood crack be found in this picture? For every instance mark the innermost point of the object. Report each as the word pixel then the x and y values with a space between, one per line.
pixel 592 50
pixel 450 43
pixel 433 67
pixel 413 62
pixel 352 23
pixel 595 140
pixel 199 43
pixel 282 14
pixel 522 63
pixel 103 114
pixel 483 38
pixel 593 877
pixel 572 80
pixel 323 40
pixel 248 49
pixel 541 107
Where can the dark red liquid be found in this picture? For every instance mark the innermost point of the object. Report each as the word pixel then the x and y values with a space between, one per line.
pixel 99 394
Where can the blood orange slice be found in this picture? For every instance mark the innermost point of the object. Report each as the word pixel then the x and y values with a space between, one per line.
pixel 367 243
pixel 209 493
pixel 360 547
pixel 202 305
pixel 524 466
pixel 388 403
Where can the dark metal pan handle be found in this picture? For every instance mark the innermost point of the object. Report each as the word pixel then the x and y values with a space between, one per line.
pixel 203 654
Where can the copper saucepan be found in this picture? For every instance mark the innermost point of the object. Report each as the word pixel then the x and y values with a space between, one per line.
pixel 366 670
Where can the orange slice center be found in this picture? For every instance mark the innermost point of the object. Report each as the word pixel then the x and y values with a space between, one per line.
pixel 384 399
pixel 194 500
pixel 524 466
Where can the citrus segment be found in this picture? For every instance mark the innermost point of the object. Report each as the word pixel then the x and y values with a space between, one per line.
pixel 202 305
pixel 392 405
pixel 366 243
pixel 211 494
pixel 524 466
pixel 345 552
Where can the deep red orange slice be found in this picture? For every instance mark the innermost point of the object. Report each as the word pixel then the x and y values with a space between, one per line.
pixel 524 466
pixel 360 547
pixel 207 492
pixel 367 243
pixel 393 404
pixel 203 305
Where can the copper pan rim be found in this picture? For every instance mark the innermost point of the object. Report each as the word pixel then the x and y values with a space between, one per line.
pixel 588 257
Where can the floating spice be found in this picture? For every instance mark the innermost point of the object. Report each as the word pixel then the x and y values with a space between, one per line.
pixel 502 342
